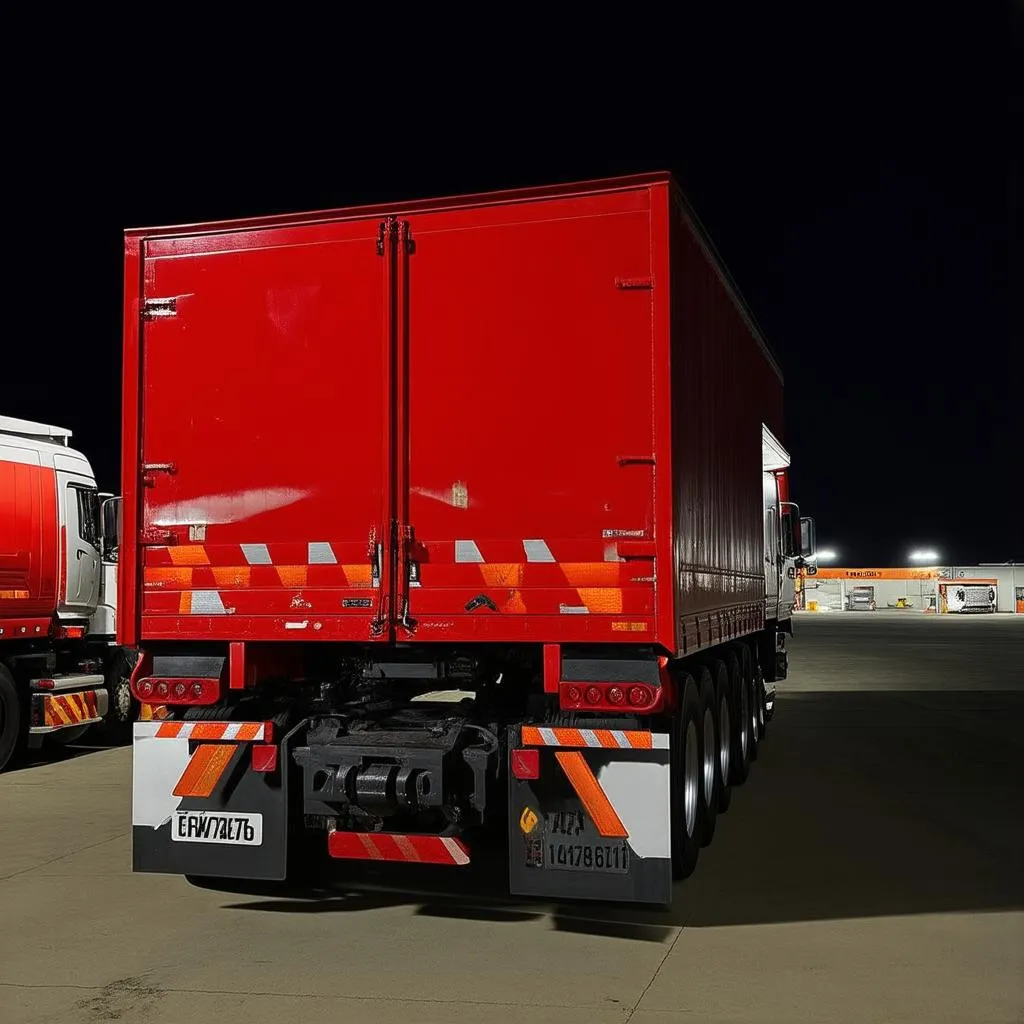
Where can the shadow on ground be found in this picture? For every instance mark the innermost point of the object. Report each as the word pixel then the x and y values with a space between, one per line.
pixel 52 752
pixel 861 804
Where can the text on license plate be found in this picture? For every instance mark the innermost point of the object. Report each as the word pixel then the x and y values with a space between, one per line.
pixel 612 857
pixel 217 827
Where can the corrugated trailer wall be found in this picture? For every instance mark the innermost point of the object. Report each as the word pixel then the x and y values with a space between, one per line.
pixel 724 387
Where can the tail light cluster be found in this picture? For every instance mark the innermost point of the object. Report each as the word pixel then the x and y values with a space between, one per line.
pixel 635 697
pixel 153 690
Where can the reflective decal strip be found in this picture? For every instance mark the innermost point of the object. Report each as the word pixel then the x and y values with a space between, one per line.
pixel 397 847
pixel 544 736
pixel 244 731
pixel 537 551
pixel 321 553
pixel 204 770
pixel 467 551
pixel 256 554
pixel 188 554
pixel 60 709
pixel 591 795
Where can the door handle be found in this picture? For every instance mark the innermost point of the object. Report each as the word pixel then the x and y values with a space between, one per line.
pixel 80 553
pixel 150 468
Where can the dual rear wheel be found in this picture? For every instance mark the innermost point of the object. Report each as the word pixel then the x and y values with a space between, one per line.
pixel 715 735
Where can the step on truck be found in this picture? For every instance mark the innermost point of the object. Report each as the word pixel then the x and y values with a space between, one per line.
pixel 60 669
pixel 450 518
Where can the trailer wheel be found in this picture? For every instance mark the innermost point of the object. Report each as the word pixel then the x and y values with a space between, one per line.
pixel 761 695
pixel 739 684
pixel 123 707
pixel 751 673
pixel 12 735
pixel 723 697
pixel 685 783
pixel 709 755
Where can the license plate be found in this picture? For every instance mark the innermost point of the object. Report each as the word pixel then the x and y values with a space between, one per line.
pixel 225 827
pixel 613 857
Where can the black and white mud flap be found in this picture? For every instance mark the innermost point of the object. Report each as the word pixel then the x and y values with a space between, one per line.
pixel 590 814
pixel 201 807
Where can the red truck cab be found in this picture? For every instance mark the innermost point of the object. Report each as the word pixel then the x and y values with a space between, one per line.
pixel 57 588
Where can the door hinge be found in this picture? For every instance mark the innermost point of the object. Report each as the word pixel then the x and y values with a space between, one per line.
pixel 157 309
pixel 386 231
pixel 405 235
pixel 390 229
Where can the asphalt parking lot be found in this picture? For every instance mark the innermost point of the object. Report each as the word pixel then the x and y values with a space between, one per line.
pixel 871 869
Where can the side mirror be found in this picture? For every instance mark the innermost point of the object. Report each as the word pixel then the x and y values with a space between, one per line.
pixel 790 519
pixel 110 527
pixel 808 538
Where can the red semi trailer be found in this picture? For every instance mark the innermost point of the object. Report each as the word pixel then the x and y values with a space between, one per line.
pixel 512 448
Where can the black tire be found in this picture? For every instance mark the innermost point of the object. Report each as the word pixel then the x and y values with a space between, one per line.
pixel 122 707
pixel 751 673
pixel 724 697
pixel 685 781
pixel 709 753
pixel 12 732
pixel 762 708
pixel 739 764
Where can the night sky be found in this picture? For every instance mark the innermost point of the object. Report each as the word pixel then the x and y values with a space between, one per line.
pixel 868 210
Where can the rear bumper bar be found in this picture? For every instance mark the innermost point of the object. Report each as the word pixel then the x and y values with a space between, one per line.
pixel 67 705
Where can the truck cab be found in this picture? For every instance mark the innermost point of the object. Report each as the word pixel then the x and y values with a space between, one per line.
pixel 57 588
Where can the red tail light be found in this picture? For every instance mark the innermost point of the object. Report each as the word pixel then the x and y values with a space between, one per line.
pixel 70 632
pixel 264 757
pixel 525 763
pixel 641 696
pixel 43 684
pixel 637 697
pixel 190 691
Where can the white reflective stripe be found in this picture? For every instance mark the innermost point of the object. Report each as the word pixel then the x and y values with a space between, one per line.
pixel 537 551
pixel 156 768
pixel 549 737
pixel 257 554
pixel 573 609
pixel 207 602
pixel 455 850
pixel 321 553
pixel 659 740
pixel 621 738
pixel 590 738
pixel 639 792
pixel 467 551
pixel 231 730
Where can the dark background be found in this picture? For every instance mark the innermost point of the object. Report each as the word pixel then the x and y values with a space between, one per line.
pixel 862 188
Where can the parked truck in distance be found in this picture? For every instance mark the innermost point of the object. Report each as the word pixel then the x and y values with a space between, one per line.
pixel 520 450
pixel 60 669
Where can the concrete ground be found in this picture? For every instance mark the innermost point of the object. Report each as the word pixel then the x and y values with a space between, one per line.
pixel 871 869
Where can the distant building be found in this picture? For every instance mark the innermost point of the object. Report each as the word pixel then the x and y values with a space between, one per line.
pixel 940 590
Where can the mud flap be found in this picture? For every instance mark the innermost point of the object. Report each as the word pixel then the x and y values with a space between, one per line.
pixel 199 807
pixel 595 821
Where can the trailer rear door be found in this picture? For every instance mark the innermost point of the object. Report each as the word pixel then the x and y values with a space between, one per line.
pixel 527 408
pixel 264 433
